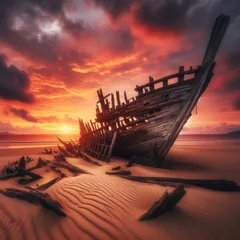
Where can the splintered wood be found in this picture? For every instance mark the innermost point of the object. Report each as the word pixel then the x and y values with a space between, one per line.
pixel 165 203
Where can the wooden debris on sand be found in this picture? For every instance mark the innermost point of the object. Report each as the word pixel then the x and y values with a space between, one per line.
pixel 35 197
pixel 165 203
pixel 72 149
pixel 122 173
pixel 45 186
pixel 116 168
pixel 18 169
pixel 212 184
pixel 60 161
pixel 131 161
pixel 49 152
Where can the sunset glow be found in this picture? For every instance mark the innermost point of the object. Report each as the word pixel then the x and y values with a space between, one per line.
pixel 55 56
pixel 66 129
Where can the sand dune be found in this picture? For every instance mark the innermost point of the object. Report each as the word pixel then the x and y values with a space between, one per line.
pixel 100 206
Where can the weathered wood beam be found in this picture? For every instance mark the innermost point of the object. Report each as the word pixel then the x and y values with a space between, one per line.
pixel 181 75
pixel 112 146
pixel 190 71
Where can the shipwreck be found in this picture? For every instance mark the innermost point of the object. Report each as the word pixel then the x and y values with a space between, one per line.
pixel 146 126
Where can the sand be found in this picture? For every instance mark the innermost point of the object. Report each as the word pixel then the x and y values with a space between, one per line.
pixel 100 206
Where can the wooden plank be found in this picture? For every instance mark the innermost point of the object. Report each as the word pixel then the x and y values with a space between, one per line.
pixel 187 72
pixel 118 99
pixel 113 102
pixel 125 97
pixel 181 75
pixel 151 82
pixel 218 32
pixel 112 146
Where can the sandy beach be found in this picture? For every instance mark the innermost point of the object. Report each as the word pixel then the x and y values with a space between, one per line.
pixel 101 206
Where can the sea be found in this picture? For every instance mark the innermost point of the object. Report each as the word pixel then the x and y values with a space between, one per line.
pixel 13 141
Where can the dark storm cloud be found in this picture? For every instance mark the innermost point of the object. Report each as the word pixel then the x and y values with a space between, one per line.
pixel 170 15
pixel 121 40
pixel 232 85
pixel 236 103
pixel 24 114
pixel 27 116
pixel 14 83
pixel 114 8
pixel 21 25
pixel 233 58
pixel 6 126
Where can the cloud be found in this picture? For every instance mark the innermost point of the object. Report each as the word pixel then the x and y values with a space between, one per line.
pixel 14 83
pixel 24 114
pixel 233 58
pixel 27 116
pixel 114 8
pixel 233 85
pixel 221 128
pixel 6 126
pixel 167 16
pixel 236 103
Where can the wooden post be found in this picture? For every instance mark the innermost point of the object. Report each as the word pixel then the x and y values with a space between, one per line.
pixel 125 97
pixel 97 109
pixel 93 127
pixel 181 76
pixel 139 90
pixel 107 105
pixel 165 83
pixel 118 99
pixel 112 146
pixel 101 100
pixel 151 80
pixel 113 101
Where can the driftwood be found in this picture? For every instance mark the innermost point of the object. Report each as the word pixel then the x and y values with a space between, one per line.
pixel 50 183
pixel 35 197
pixel 22 173
pixel 8 176
pixel 116 168
pixel 64 152
pixel 41 163
pixel 88 159
pixel 19 172
pixel 131 161
pixel 217 185
pixel 49 152
pixel 121 173
pixel 60 161
pixel 165 203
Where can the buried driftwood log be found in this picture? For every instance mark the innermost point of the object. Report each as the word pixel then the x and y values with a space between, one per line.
pixel 50 183
pixel 19 172
pixel 60 161
pixel 89 159
pixel 35 197
pixel 217 185
pixel 49 152
pixel 165 203
pixel 121 173
pixel 116 168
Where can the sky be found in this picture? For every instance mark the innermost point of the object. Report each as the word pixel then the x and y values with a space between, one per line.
pixel 55 55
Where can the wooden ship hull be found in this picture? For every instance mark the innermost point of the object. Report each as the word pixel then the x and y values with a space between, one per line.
pixel 146 126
